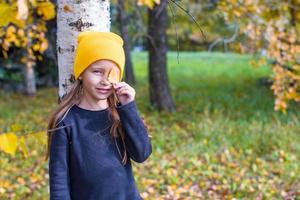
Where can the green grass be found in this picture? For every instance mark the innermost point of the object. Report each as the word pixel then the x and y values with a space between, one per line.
pixel 221 96
pixel 224 141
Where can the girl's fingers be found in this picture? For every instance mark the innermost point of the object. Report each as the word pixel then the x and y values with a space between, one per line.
pixel 120 84
pixel 123 91
pixel 117 85
pixel 124 87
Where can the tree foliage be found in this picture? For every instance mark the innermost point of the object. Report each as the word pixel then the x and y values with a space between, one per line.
pixel 23 25
pixel 274 26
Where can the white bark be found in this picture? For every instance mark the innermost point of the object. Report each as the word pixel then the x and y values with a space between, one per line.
pixel 30 86
pixel 74 16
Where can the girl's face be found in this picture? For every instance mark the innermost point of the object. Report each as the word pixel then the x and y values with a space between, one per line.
pixel 95 80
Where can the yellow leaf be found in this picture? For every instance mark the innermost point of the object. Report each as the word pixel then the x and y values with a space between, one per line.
pixel 41 137
pixel 44 46
pixel 21 33
pixel 149 3
pixel 113 76
pixel 8 143
pixel 46 10
pixel 5 11
pixel 2 32
pixel 17 43
pixel 23 146
pixel 8 13
pixel 36 47
pixel 237 13
pixel 10 31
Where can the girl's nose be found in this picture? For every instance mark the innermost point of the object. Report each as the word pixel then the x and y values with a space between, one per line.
pixel 104 81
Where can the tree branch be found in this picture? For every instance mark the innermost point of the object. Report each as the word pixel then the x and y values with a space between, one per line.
pixel 176 30
pixel 191 16
pixel 225 40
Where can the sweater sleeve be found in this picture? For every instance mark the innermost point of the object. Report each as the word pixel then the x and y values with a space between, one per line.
pixel 59 165
pixel 137 139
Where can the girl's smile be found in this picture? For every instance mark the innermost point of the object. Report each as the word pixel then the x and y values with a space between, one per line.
pixel 103 90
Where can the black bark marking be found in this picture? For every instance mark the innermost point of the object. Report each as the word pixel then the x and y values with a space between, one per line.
pixel 62 50
pixel 72 78
pixel 79 24
pixel 65 85
pixel 68 82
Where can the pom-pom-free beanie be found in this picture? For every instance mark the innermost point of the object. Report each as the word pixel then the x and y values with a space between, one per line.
pixel 93 46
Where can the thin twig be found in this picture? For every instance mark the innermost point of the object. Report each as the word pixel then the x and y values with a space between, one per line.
pixel 225 40
pixel 191 16
pixel 177 39
pixel 141 31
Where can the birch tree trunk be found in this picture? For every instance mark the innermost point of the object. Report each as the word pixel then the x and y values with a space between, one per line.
pixel 30 86
pixel 74 17
pixel 29 75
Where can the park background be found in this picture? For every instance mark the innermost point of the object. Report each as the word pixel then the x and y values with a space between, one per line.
pixel 231 130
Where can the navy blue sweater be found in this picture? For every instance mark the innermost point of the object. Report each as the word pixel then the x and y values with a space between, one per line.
pixel 85 161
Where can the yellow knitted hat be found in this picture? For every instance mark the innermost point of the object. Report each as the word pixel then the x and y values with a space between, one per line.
pixel 93 46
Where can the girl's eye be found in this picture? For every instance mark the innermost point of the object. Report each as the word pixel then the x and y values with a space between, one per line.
pixel 97 72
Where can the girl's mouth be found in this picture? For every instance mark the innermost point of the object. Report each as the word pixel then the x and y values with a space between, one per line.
pixel 102 91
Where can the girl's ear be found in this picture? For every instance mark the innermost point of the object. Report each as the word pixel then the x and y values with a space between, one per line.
pixel 80 78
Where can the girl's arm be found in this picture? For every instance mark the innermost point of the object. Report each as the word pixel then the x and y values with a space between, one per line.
pixel 59 165
pixel 137 139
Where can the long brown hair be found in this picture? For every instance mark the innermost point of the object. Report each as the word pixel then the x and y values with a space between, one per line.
pixel 73 97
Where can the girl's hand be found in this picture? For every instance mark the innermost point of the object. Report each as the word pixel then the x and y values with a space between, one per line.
pixel 124 92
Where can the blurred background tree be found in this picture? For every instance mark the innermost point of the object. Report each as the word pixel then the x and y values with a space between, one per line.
pixel 23 42
pixel 123 19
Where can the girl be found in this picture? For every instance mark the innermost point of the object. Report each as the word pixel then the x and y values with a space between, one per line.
pixel 97 128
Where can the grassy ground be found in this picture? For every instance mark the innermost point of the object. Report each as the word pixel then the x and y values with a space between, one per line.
pixel 225 141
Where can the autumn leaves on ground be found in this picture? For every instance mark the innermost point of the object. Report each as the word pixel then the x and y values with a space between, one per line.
pixel 225 141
